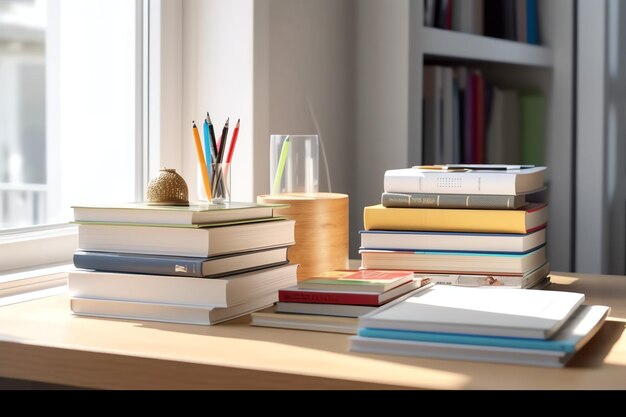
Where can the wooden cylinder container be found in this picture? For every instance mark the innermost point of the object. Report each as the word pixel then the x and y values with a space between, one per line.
pixel 321 230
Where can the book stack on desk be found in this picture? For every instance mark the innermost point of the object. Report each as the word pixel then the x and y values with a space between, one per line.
pixel 529 327
pixel 196 264
pixel 324 301
pixel 460 225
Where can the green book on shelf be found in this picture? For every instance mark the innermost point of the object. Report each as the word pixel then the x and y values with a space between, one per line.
pixel 532 127
pixel 142 213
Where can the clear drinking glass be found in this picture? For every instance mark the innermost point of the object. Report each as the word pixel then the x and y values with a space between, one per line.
pixel 294 164
pixel 220 180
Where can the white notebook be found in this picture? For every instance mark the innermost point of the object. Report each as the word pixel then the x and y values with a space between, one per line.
pixel 534 314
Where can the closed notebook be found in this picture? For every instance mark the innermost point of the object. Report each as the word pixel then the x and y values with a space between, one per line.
pixel 183 215
pixel 185 241
pixel 533 217
pixel 330 324
pixel 183 266
pixel 534 314
pixel 170 313
pixel 218 292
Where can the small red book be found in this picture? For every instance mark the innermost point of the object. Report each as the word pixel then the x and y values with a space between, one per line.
pixel 295 295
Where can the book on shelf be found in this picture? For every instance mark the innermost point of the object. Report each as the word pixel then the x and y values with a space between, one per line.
pixel 503 123
pixel 532 127
pixel 574 334
pixel 532 217
pixel 183 266
pixel 330 324
pixel 353 280
pixel 454 262
pixel 464 181
pixel 169 313
pixel 571 337
pixel 297 295
pixel 501 312
pixel 183 215
pixel 182 241
pixel 530 279
pixel 218 292
pixel 452 241
pixel 474 201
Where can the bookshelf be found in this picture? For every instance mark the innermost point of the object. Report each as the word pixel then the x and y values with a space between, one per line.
pixel 389 120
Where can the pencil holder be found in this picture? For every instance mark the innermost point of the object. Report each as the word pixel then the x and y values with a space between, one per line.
pixel 294 164
pixel 220 183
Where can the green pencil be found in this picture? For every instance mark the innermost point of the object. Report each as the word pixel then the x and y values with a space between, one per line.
pixel 281 166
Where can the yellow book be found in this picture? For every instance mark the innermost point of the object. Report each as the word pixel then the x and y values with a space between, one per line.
pixel 532 217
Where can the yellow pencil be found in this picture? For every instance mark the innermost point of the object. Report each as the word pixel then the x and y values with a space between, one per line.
pixel 203 167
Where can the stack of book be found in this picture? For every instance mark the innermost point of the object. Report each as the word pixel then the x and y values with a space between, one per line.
pixel 333 300
pixel 543 328
pixel 197 264
pixel 460 225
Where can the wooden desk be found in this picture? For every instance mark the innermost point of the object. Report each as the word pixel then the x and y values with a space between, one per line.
pixel 41 341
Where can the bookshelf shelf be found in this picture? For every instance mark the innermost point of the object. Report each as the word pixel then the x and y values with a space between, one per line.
pixel 469 47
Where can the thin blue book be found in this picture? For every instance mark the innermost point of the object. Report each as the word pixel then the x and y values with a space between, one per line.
pixel 572 336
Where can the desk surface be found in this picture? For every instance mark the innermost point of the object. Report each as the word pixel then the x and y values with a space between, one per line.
pixel 41 341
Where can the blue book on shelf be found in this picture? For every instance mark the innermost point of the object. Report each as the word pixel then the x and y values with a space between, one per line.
pixel 532 22
pixel 570 338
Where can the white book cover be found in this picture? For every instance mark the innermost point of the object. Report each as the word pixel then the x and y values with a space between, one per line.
pixel 534 314
pixel 170 313
pixel 464 181
pixel 217 292
pixel 330 324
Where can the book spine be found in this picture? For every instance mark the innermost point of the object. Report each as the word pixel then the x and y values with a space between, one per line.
pixel 183 267
pixel 452 201
pixel 327 298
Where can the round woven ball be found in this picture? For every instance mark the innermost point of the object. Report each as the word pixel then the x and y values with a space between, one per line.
pixel 168 189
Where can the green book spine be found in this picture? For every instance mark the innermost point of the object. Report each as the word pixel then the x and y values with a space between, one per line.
pixel 532 127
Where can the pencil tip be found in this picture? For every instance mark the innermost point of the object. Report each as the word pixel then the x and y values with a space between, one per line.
pixel 238 121
pixel 208 116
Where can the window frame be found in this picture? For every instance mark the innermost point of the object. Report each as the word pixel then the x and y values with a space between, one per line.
pixel 157 140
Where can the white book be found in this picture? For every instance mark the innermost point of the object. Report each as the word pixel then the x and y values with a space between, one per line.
pixel 183 215
pixel 185 241
pixel 574 334
pixel 451 241
pixel 217 292
pixel 524 313
pixel 331 324
pixel 476 181
pixel 170 313
pixel 527 280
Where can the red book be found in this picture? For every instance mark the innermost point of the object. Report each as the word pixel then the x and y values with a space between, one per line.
pixel 295 295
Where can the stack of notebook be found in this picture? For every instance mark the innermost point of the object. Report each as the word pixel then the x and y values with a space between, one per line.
pixel 460 225
pixel 197 264
pixel 543 328
pixel 325 301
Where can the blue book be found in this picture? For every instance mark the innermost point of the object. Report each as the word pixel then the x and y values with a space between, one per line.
pixel 184 266
pixel 532 21
pixel 570 338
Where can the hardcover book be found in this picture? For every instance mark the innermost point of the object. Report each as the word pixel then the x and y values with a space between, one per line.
pixel 532 217
pixel 185 241
pixel 192 214
pixel 183 266
pixel 350 280
pixel 477 201
pixel 451 241
pixel 331 324
pixel 446 180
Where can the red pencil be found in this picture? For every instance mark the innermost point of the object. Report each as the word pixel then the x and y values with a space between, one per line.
pixel 232 143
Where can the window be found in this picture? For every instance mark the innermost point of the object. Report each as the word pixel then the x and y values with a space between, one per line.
pixel 71 127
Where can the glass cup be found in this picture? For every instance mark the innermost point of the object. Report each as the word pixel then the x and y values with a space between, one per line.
pixel 220 183
pixel 294 164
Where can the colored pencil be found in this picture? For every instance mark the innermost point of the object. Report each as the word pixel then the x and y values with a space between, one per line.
pixel 203 167
pixel 233 142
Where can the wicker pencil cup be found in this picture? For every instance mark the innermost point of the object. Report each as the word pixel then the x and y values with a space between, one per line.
pixel 321 230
